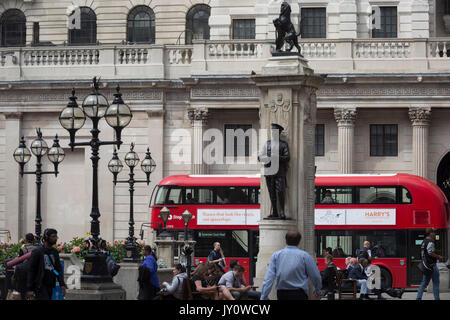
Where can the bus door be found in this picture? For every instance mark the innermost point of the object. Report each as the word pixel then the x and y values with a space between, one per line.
pixel 253 248
pixel 415 238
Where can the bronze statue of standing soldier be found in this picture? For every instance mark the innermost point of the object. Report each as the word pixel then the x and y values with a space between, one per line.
pixel 275 157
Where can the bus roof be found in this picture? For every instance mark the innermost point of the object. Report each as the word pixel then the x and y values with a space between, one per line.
pixel 212 180
pixel 404 179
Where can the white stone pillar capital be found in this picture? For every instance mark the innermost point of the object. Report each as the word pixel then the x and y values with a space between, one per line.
pixel 345 116
pixel 198 114
pixel 420 116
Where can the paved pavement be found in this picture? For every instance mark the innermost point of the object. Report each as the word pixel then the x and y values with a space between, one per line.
pixel 411 295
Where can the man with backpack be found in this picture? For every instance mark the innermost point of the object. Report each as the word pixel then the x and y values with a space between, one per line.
pixel 428 264
pixel 44 267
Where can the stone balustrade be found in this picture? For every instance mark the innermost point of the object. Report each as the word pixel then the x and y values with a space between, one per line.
pixel 225 57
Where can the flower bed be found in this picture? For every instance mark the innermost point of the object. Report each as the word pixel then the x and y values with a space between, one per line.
pixel 76 246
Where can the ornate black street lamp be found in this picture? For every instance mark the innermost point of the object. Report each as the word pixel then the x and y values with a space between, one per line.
pixel 39 148
pixel 72 118
pixel 115 166
pixel 187 250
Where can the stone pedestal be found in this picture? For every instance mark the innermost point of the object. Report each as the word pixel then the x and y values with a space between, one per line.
pixel 97 291
pixel 165 250
pixel 272 235
pixel 127 279
pixel 288 97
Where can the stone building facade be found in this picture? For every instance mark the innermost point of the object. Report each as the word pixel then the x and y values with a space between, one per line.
pixel 384 106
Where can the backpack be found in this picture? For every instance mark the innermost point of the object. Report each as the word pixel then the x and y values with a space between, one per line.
pixel 20 276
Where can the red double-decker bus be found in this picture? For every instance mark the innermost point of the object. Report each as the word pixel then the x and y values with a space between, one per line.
pixel 391 211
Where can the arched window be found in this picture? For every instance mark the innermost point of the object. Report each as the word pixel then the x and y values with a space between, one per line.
pixel 141 25
pixel 87 34
pixel 13 28
pixel 197 27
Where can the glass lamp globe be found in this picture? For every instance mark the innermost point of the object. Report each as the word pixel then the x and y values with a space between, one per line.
pixel 95 104
pixel 39 147
pixel 115 165
pixel 132 158
pixel 118 115
pixel 72 117
pixel 148 165
pixel 186 216
pixel 22 154
pixel 56 154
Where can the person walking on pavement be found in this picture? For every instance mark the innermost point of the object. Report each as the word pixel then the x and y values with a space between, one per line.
pixel 291 267
pixel 217 257
pixel 366 252
pixel 45 268
pixel 429 260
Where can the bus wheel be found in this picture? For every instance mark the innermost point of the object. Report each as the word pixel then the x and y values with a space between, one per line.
pixel 386 278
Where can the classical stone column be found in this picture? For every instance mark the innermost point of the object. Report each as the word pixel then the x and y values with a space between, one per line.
pixel 13 130
pixel 345 119
pixel 288 97
pixel 420 118
pixel 198 117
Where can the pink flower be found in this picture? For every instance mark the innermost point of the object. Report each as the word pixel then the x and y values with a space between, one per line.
pixel 123 242
pixel 75 249
pixel 3 250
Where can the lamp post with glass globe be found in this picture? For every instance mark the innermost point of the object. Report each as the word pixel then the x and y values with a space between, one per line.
pixel 148 165
pixel 164 213
pixel 187 250
pixel 39 148
pixel 72 118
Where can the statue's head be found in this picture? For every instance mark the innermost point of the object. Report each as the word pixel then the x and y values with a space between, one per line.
pixel 285 8
pixel 276 127
pixel 279 97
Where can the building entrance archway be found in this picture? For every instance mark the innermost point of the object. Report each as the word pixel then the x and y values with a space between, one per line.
pixel 443 175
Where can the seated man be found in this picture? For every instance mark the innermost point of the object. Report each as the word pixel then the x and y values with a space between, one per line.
pixel 358 273
pixel 252 294
pixel 231 286
pixel 329 278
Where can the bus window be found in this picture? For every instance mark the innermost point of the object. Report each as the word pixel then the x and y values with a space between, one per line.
pixel 205 240
pixel 335 195
pixel 376 195
pixel 239 243
pixel 191 196
pixel 336 243
pixel 406 196
pixel 232 195
pixel 383 243
pixel 253 195
pixel 161 195
pixel 205 195
pixel 174 196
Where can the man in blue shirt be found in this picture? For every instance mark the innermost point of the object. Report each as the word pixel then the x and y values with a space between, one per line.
pixel 148 276
pixel 291 267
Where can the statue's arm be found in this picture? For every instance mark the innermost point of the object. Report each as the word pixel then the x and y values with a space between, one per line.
pixel 285 155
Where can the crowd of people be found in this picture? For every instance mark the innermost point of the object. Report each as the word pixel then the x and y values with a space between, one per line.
pixel 291 268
